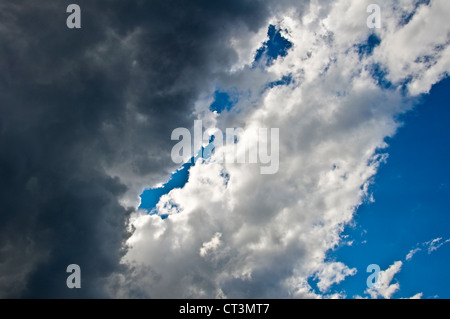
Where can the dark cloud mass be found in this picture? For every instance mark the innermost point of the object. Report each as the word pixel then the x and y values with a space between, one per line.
pixel 78 107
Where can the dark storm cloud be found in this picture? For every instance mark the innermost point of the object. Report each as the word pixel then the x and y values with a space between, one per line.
pixel 76 103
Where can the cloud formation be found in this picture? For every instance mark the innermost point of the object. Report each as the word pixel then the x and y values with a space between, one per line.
pixel 85 124
pixel 86 116
pixel 333 273
pixel 383 287
pixel 333 117
pixel 429 246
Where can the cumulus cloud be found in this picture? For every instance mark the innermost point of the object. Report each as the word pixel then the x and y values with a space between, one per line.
pixel 211 245
pixel 333 116
pixel 383 287
pixel 333 273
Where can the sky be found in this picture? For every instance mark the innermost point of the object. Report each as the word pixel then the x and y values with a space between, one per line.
pixel 409 208
pixel 88 178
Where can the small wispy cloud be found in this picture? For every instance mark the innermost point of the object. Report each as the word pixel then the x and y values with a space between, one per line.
pixel 434 244
pixel 412 253
pixel 429 246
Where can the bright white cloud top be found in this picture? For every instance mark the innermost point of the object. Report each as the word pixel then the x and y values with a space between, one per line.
pixel 233 232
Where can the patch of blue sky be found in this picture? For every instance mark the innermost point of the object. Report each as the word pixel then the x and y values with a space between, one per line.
pixel 412 206
pixel 366 48
pixel 276 46
pixel 150 197
pixel 223 101
pixel 379 74
pixel 377 71
pixel 285 80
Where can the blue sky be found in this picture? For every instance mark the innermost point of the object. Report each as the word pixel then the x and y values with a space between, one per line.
pixel 410 191
pixel 412 199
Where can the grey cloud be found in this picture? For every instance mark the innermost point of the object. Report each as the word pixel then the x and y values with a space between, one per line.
pixel 78 107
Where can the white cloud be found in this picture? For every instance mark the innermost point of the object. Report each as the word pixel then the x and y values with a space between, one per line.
pixel 383 287
pixel 418 50
pixel 429 246
pixel 211 245
pixel 270 233
pixel 417 296
pixel 333 273
pixel 435 244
